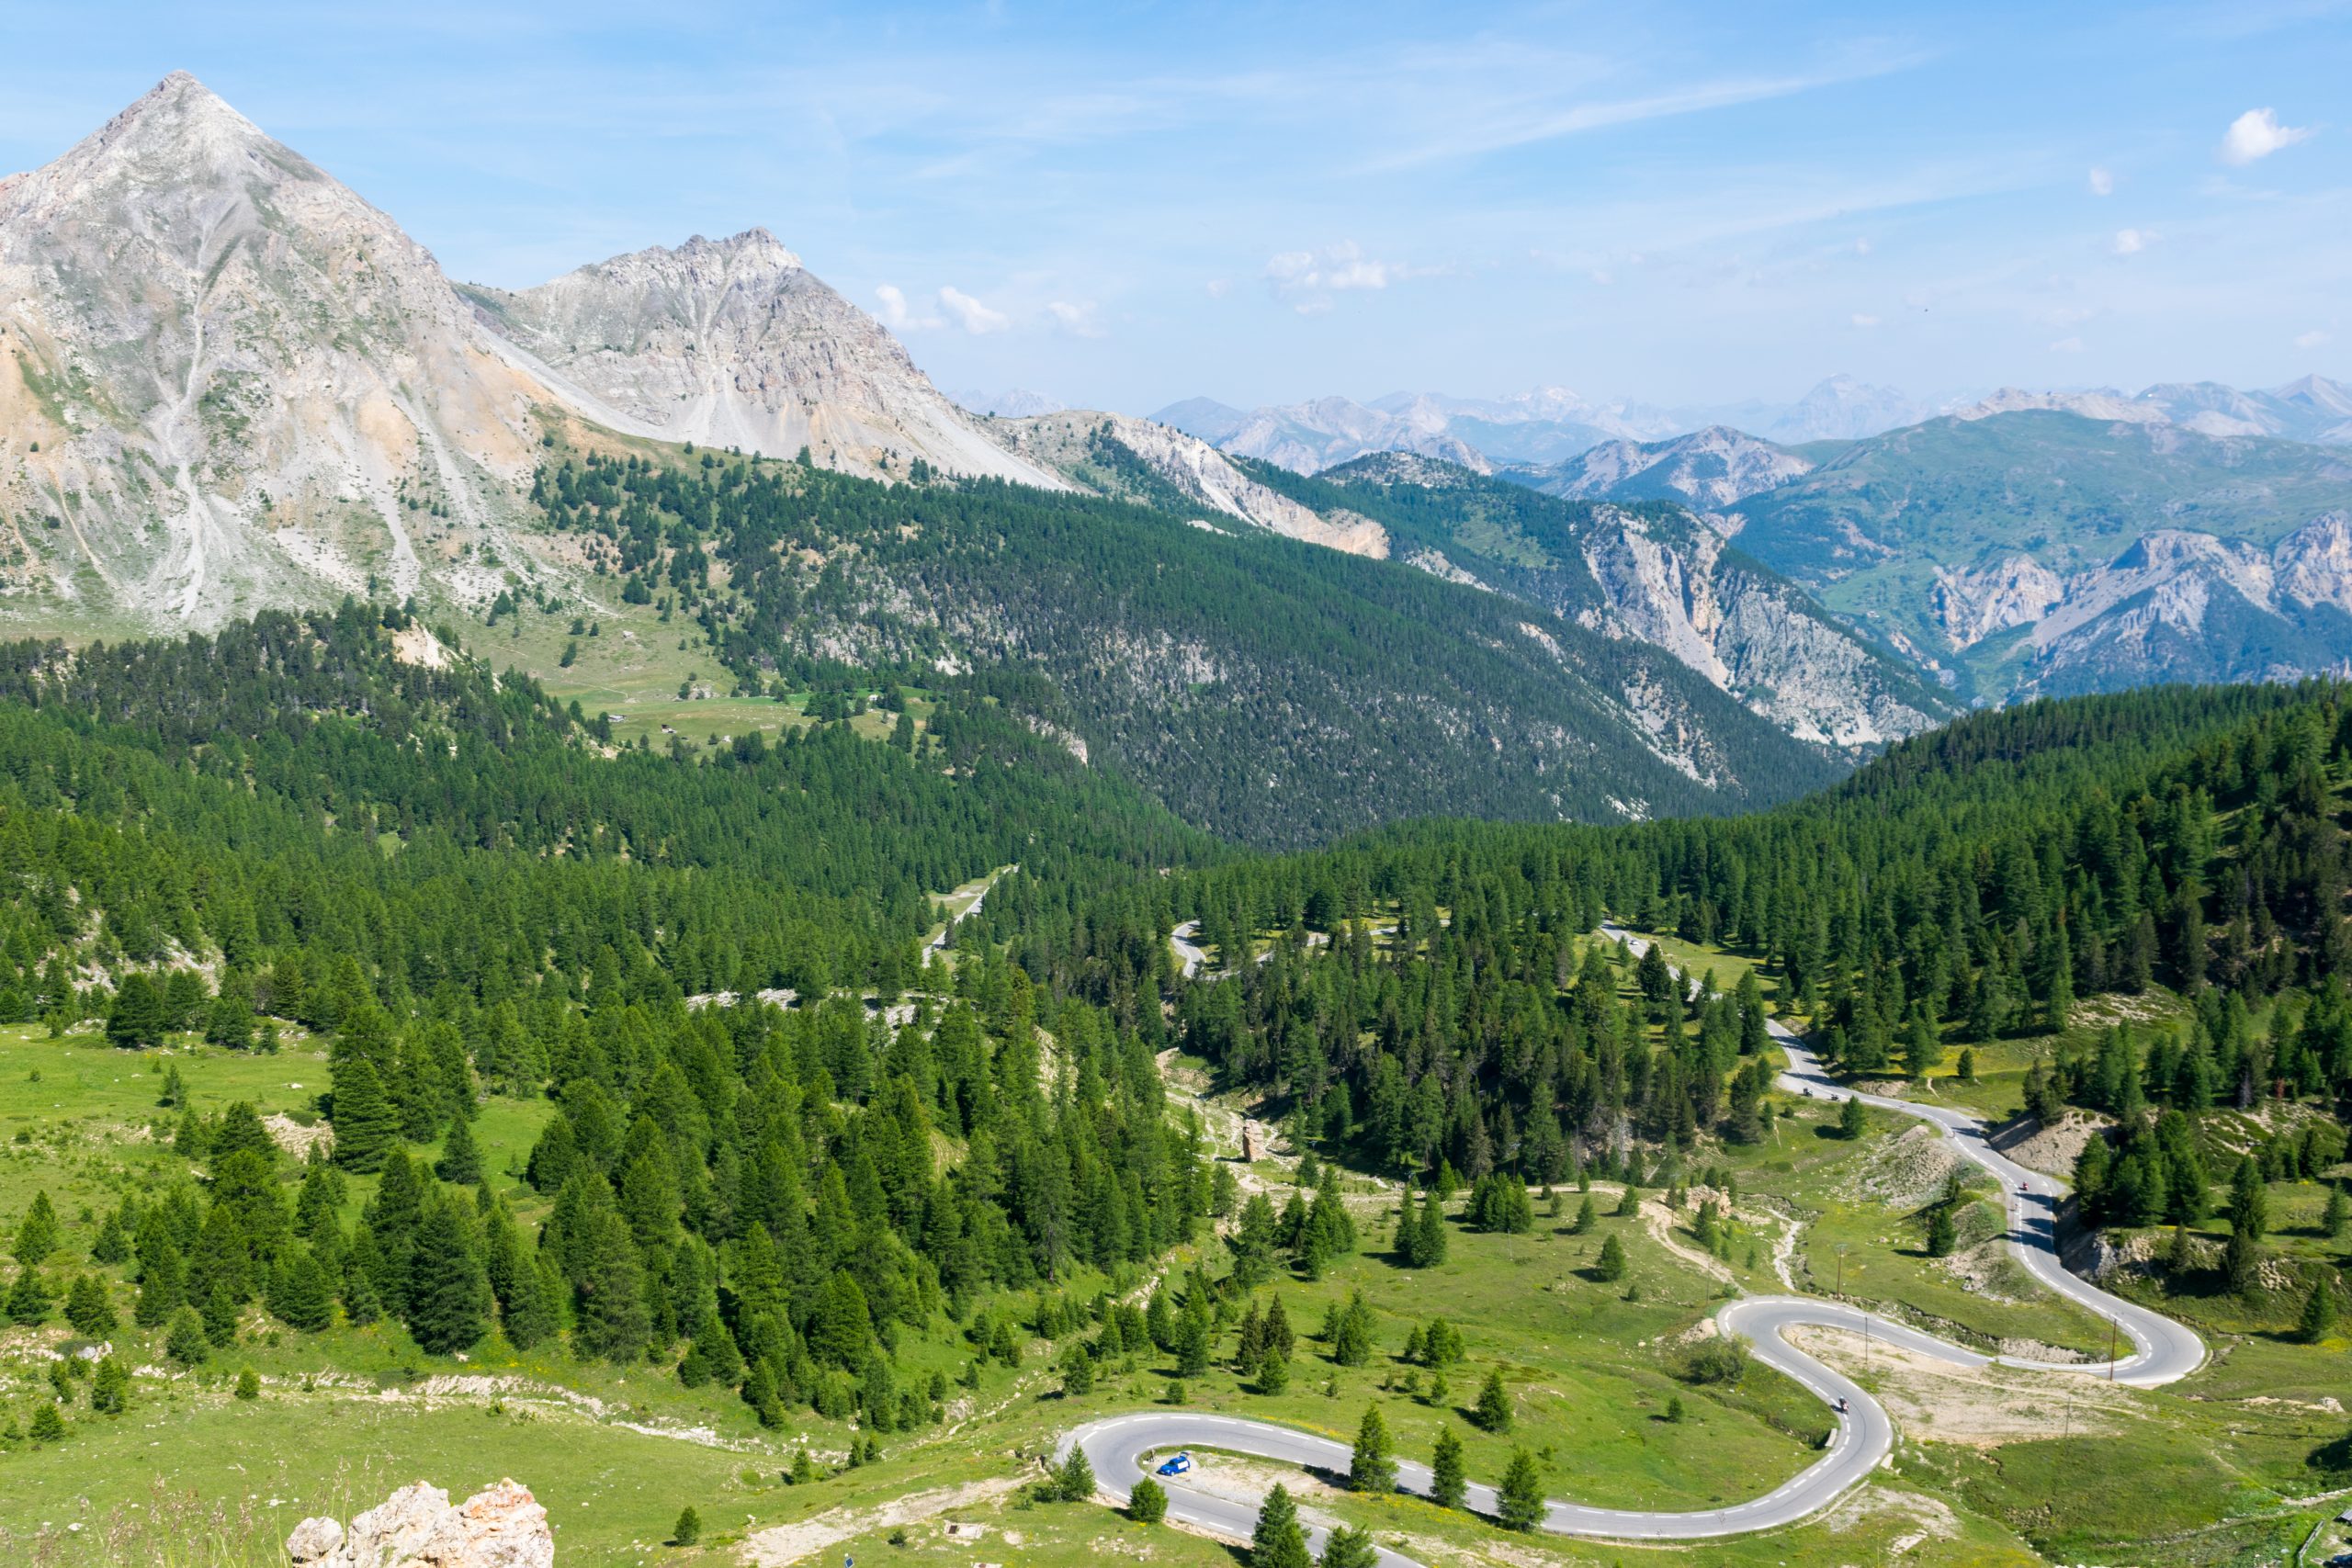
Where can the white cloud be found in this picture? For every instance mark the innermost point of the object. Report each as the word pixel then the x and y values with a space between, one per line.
pixel 2067 346
pixel 2258 134
pixel 1219 288
pixel 1861 247
pixel 1864 322
pixel 1307 280
pixel 2310 339
pixel 2131 242
pixel 970 314
pixel 1078 321
pixel 2102 182
pixel 895 314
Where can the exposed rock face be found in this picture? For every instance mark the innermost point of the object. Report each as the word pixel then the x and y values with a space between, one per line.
pixel 1091 448
pixel 733 343
pixel 2186 606
pixel 235 371
pixel 1708 468
pixel 417 1527
pixel 1752 635
pixel 2014 591
pixel 227 381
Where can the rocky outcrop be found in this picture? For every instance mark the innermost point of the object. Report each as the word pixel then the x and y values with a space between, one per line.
pixel 1093 449
pixel 2016 591
pixel 1710 468
pixel 417 1527
pixel 1677 586
pixel 224 378
pixel 227 381
pixel 733 343
pixel 2185 606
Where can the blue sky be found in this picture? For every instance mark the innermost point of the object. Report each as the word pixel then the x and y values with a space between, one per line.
pixel 1122 204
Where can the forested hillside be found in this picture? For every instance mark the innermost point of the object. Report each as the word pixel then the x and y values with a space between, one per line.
pixel 1428 997
pixel 443 874
pixel 1274 693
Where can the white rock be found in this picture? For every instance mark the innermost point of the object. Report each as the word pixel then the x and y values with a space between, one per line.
pixel 416 1527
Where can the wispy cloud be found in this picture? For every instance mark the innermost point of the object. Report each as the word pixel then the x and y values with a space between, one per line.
pixel 2102 182
pixel 2131 241
pixel 970 314
pixel 2256 134
pixel 1526 123
pixel 1305 280
pixel 1076 318
pixel 895 314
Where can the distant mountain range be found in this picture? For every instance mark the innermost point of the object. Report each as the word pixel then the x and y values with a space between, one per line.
pixel 2030 544
pixel 1012 403
pixel 1550 426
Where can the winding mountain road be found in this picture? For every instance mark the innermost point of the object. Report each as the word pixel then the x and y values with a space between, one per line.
pixel 1120 1448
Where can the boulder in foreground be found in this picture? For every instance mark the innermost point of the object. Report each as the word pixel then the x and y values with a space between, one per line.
pixel 416 1527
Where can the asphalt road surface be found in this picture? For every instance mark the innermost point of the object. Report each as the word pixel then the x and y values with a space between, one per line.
pixel 1121 1447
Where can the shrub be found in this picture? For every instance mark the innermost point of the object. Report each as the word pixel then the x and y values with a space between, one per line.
pixel 1148 1504
pixel 688 1530
pixel 1722 1359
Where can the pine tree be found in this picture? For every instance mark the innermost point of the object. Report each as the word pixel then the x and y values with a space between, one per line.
pixel 460 1161
pixel 1274 1372
pixel 1277 1541
pixel 1520 1504
pixel 365 1125
pixel 48 1425
pixel 1611 1268
pixel 1347 1547
pixel 608 1283
pixel 1352 1345
pixel 37 1234
pixel 113 1243
pixel 2319 1312
pixel 688 1530
pixel 218 1311
pixel 2242 1261
pixel 135 1017
pixel 2249 1200
pixel 1448 1479
pixel 1074 1481
pixel 2337 1216
pixel 449 1293
pixel 1431 1246
pixel 185 1341
pixel 1148 1501
pixel 1629 1199
pixel 1587 1217
pixel 1494 1402
pixel 110 1387
pixel 300 1294
pixel 90 1308
pixel 1851 1123
pixel 163 1285
pixel 29 1298
pixel 1941 1233
pixel 248 1385
pixel 1372 1468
